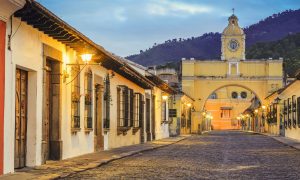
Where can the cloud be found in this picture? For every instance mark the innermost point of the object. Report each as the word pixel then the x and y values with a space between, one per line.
pixel 119 14
pixel 175 8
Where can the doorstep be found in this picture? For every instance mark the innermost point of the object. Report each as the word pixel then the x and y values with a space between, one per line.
pixel 64 168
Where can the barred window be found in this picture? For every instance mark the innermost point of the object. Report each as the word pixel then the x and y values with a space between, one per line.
pixel 88 99
pixel 274 113
pixel 289 109
pixel 294 112
pixel 106 104
pixel 122 105
pixel 285 112
pixel 189 121
pixel 131 107
pixel 139 110
pixel 75 93
pixel 183 123
pixel 163 111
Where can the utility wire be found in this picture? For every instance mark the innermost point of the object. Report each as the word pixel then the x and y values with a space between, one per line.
pixel 77 75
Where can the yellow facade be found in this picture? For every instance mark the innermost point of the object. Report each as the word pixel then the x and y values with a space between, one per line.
pixel 200 78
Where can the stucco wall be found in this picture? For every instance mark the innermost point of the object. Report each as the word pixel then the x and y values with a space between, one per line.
pixel 130 138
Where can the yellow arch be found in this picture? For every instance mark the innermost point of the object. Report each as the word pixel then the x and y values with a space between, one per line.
pixel 238 85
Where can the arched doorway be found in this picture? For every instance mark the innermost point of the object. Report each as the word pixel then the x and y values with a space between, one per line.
pixel 225 107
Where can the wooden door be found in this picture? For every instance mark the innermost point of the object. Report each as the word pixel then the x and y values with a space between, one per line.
pixel 47 112
pixel 99 139
pixel 21 118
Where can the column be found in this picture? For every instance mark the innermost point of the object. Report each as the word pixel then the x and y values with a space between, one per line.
pixel 2 84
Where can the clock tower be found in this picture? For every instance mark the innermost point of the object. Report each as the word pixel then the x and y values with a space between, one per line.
pixel 233 41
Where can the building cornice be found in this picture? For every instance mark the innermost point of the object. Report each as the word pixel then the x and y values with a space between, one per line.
pixel 232 78
pixel 8 7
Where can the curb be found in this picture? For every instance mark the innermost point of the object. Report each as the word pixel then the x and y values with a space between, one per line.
pixel 117 158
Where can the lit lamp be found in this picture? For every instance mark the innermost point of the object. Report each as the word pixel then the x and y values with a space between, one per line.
pixel 256 111
pixel 86 58
pixel 189 104
pixel 263 107
pixel 165 97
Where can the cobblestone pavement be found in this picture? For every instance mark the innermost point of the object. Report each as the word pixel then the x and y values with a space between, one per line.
pixel 217 155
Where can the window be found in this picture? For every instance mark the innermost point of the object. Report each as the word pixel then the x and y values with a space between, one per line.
pixel 274 113
pixel 139 110
pixel 244 95
pixel 225 113
pixel 189 121
pixel 285 112
pixel 75 93
pixel 294 112
pixel 126 103
pixel 163 111
pixel 234 95
pixel 213 96
pixel 183 120
pixel 106 104
pixel 88 99
pixel 131 107
pixel 122 106
pixel 289 111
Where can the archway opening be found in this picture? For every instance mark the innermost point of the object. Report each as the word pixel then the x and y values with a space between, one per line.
pixel 229 107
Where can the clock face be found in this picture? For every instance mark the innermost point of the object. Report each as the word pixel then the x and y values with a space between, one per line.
pixel 233 45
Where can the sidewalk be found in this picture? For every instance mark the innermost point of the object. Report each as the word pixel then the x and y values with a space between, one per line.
pixel 56 169
pixel 284 140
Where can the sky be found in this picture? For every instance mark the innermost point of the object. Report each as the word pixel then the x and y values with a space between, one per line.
pixel 125 27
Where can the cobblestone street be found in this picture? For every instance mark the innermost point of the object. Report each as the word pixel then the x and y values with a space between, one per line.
pixel 217 155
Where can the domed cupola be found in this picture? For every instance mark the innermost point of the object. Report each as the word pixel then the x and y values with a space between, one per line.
pixel 233 26
pixel 233 41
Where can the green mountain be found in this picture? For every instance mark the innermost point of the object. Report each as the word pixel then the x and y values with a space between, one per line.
pixel 288 48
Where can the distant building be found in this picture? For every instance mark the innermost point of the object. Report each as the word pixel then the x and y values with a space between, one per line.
pixel 201 78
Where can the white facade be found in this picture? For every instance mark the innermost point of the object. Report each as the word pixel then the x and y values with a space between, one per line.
pixel 27 54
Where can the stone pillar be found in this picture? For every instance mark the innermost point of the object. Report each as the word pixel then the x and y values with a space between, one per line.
pixel 2 86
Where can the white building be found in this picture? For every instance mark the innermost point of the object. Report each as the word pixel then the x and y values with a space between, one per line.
pixel 59 106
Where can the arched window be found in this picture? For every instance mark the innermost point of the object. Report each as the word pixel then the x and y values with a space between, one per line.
pixel 75 92
pixel 88 101
pixel 244 95
pixel 213 96
pixel 234 95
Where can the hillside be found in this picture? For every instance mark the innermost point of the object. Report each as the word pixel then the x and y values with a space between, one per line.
pixel 288 48
pixel 208 46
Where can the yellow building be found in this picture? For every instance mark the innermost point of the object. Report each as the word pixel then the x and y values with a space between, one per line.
pixel 200 78
pixel 284 111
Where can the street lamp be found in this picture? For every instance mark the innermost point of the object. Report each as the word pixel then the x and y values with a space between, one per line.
pixel 165 97
pixel 86 57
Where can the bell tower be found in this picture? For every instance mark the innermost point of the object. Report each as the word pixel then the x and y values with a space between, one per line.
pixel 233 41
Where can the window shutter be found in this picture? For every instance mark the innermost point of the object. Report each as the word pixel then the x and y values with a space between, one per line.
pixel 294 111
pixel 289 110
pixel 285 113
pixel 119 105
pixel 131 95
pixel 126 105
pixel 298 111
pixel 141 113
